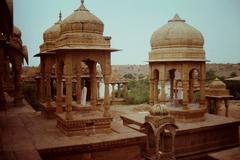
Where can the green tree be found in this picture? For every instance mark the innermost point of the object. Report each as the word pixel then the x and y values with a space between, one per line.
pixel 129 76
pixel 210 75
pixel 138 92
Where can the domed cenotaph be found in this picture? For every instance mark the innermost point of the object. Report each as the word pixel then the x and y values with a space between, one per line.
pixel 177 56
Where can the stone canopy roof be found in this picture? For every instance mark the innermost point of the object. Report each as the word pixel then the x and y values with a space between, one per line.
pixel 177 41
pixel 81 30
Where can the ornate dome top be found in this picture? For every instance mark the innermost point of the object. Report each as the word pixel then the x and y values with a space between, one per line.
pixel 178 41
pixel 217 84
pixel 159 110
pixel 176 33
pixel 82 30
pixel 52 33
pixel 82 20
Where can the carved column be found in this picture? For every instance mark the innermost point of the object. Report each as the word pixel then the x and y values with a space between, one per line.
pixel 106 96
pixel 18 82
pixel 155 91
pixel 172 77
pixel 113 94
pixel 119 93
pixel 59 86
pixel 185 81
pixel 163 83
pixel 93 74
pixel 68 77
pixel 48 88
pixel 98 90
pixel 191 87
pixel 163 94
pixel 202 85
pixel 79 82
pixel 151 93
pixel 2 99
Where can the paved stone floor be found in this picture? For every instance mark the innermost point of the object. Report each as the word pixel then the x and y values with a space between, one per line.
pixel 22 130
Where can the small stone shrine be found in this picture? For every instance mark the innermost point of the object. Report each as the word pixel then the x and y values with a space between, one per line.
pixel 215 94
pixel 159 127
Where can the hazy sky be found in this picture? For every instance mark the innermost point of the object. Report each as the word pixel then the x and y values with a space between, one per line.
pixel 131 23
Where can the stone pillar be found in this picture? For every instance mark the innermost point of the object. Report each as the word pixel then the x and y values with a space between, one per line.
pixel 172 89
pixel 68 77
pixel 162 78
pixel 185 81
pixel 113 94
pixel 151 93
pixel 191 87
pixel 18 101
pixel 98 90
pixel 48 88
pixel 119 93
pixel 2 99
pixel 59 86
pixel 202 85
pixel 79 84
pixel 155 91
pixel 185 94
pixel 93 74
pixel 163 94
pixel 106 96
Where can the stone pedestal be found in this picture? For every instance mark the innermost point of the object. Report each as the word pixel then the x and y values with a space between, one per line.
pixel 192 114
pixel 84 123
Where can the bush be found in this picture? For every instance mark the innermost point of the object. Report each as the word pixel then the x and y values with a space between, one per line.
pixel 138 91
pixel 30 94
pixel 234 87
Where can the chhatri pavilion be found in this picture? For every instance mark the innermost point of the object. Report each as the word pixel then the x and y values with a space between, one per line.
pixel 68 44
pixel 177 56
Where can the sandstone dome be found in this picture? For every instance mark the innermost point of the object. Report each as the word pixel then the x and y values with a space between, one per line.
pixel 177 41
pixel 82 30
pixel 82 20
pixel 52 33
pixel 217 84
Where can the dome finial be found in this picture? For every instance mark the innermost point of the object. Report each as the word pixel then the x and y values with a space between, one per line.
pixel 60 15
pixel 82 7
pixel 176 18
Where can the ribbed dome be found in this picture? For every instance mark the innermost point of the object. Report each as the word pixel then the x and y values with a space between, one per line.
pixel 179 39
pixel 217 84
pixel 81 20
pixel 52 33
pixel 82 30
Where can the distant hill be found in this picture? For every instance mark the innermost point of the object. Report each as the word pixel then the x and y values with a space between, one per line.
pixel 221 70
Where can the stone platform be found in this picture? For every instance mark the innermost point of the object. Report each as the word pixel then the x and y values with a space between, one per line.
pixel 196 139
pixel 25 134
pixel 229 154
pixel 84 123
pixel 193 113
